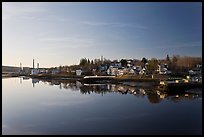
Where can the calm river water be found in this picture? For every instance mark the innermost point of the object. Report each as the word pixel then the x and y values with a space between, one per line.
pixel 32 106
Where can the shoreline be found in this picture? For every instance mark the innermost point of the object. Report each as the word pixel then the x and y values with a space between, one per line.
pixel 134 81
pixel 97 79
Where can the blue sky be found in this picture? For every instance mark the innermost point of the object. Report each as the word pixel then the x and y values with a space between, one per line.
pixel 62 33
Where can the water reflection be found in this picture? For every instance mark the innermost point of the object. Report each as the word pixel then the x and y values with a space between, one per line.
pixel 34 81
pixel 71 107
pixel 152 93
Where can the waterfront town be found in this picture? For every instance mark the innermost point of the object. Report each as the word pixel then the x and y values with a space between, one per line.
pixel 189 68
pixel 90 68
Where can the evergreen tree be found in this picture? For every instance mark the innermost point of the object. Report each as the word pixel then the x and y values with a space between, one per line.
pixel 92 62
pixel 123 62
pixel 144 61
pixel 167 58
pixel 83 61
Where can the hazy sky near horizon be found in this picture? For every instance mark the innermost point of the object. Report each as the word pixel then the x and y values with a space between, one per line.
pixel 62 33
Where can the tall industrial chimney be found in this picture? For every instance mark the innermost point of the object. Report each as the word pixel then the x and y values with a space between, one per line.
pixel 20 66
pixel 33 64
pixel 38 65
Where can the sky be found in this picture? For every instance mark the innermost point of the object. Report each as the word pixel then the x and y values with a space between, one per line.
pixel 62 33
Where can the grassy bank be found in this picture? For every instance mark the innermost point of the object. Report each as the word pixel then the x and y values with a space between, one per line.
pixel 138 78
pixel 123 78
pixel 143 78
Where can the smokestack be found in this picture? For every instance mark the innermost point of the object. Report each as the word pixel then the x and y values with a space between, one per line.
pixel 33 64
pixel 20 66
pixel 38 65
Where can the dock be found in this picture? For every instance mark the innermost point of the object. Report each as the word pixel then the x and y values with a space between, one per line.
pixel 97 79
pixel 178 85
pixel 87 77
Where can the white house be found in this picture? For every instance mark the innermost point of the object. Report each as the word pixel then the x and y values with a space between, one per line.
pixel 116 65
pixel 108 71
pixel 55 71
pixel 163 69
pixel 42 71
pixel 112 71
pixel 132 71
pixel 142 71
pixel 122 71
pixel 78 72
pixel 34 71
pixel 137 68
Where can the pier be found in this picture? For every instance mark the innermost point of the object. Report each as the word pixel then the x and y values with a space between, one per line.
pixel 178 85
pixel 97 79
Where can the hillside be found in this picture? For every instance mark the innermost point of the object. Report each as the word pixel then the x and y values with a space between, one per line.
pixel 10 69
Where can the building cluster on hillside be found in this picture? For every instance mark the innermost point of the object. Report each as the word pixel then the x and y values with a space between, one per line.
pixel 132 67
pixel 113 68
pixel 38 70
pixel 196 73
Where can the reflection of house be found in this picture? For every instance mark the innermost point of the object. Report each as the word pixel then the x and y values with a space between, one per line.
pixel 34 81
pixel 78 84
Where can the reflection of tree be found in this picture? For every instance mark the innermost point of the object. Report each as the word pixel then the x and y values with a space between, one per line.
pixel 60 86
pixel 175 99
pixel 99 89
pixel 86 89
pixel 153 95
pixel 34 81
pixel 65 85
pixel 153 98
pixel 186 96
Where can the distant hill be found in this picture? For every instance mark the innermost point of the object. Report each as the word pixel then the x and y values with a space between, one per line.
pixel 11 69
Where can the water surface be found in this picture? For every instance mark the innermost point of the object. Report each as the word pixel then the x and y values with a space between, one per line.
pixel 32 106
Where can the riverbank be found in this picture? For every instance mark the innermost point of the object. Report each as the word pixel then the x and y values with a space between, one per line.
pixel 131 80
pixel 99 79
pixel 136 78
